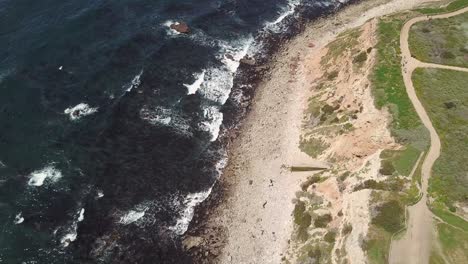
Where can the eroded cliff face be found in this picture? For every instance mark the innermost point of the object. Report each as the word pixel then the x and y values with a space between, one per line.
pixel 341 125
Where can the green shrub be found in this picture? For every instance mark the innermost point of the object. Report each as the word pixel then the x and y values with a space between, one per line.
pixel 323 220
pixel 330 237
pixel 390 216
pixel 360 58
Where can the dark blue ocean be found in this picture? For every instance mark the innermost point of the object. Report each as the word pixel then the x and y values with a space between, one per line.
pixel 112 125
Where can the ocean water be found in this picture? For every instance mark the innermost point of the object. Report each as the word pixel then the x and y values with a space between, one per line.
pixel 112 125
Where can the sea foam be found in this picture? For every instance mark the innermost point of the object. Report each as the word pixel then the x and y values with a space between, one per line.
pixel 133 215
pixel 193 88
pixel 18 219
pixel 78 111
pixel 50 173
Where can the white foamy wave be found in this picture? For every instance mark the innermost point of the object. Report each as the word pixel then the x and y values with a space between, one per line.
pixel 213 120
pixel 18 219
pixel 135 82
pixel 169 30
pixel 157 116
pixel 71 232
pixel 37 178
pixel 286 11
pixel 80 110
pixel 2 165
pixel 234 52
pixel 100 194
pixel 189 204
pixel 81 215
pixel 193 88
pixel 217 85
pixel 165 117
pixel 133 215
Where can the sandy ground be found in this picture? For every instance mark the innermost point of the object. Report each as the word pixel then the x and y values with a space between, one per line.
pixel 254 224
pixel 415 246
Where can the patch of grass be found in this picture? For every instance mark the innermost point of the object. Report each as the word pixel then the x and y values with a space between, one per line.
pixel 449 181
pixel 389 89
pixel 402 161
pixel 390 216
pixel 313 147
pixel 453 6
pixel 441 41
pixel 387 167
pixel 450 218
pixel 454 243
pixel 343 43
pixel 377 245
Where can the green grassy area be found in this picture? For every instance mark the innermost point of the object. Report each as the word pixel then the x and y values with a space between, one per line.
pixel 450 218
pixel 389 89
pixel 453 243
pixel 313 146
pixel 441 41
pixel 453 6
pixel 444 95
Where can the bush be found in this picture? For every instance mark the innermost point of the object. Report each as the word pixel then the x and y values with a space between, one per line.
pixel 360 58
pixel 330 237
pixel 347 229
pixel 332 75
pixel 303 219
pixel 390 216
pixel 323 220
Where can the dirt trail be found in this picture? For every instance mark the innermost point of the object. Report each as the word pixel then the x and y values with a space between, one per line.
pixel 415 246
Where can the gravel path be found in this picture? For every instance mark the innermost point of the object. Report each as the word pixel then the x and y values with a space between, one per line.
pixel 415 247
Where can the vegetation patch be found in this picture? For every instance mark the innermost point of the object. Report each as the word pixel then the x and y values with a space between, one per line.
pixel 390 216
pixel 449 181
pixel 453 6
pixel 313 146
pixel 322 220
pixel 302 219
pixel 389 89
pixel 441 41
pixel 453 243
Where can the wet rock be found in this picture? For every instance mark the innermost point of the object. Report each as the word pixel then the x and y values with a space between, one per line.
pixel 229 56
pixel 247 61
pixel 180 27
pixel 192 242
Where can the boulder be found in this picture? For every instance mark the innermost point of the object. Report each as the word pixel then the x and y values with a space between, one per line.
pixel 180 27
pixel 192 242
pixel 248 61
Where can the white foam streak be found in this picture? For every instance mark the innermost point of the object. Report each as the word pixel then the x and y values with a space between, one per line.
pixel 194 199
pixel 287 11
pixel 190 202
pixel 132 216
pixel 135 82
pixel 72 230
pixel 81 215
pixel 37 178
pixel 171 31
pixel 214 119
pixel 18 219
pixel 79 111
pixel 193 88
